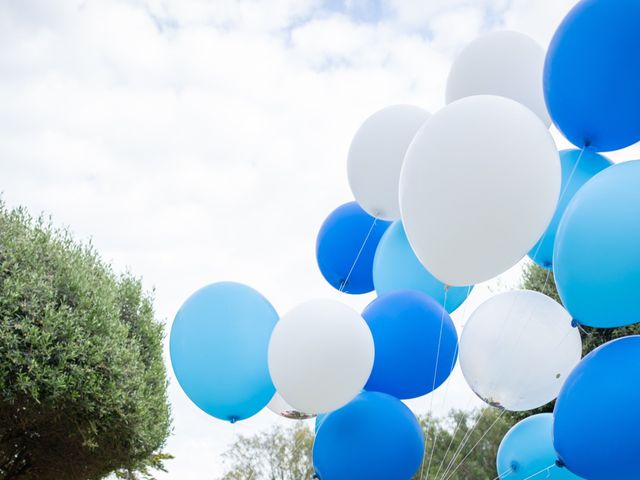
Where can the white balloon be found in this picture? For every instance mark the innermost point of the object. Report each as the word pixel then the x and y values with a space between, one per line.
pixel 376 155
pixel 320 356
pixel 517 349
pixel 479 185
pixel 278 406
pixel 509 64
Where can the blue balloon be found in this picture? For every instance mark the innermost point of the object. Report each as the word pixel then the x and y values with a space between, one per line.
pixel 527 449
pixel 218 346
pixel 416 344
pixel 596 418
pixel 578 166
pixel 319 420
pixel 591 75
pixel 374 437
pixel 597 251
pixel 396 267
pixel 345 248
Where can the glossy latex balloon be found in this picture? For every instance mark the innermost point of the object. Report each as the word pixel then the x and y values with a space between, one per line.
pixel 479 186
pixel 604 389
pixel 278 406
pixel 416 344
pixel 578 166
pixel 517 349
pixel 376 155
pixel 374 437
pixel 345 248
pixel 502 63
pixel 597 253
pixel 527 451
pixel 396 267
pixel 591 75
pixel 219 343
pixel 320 356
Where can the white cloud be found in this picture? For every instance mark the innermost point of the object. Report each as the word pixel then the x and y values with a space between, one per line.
pixel 198 141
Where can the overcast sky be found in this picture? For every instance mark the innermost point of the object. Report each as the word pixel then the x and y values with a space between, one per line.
pixel 196 141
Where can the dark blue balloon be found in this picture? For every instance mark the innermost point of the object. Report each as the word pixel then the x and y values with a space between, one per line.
pixel 596 421
pixel 591 75
pixel 374 437
pixel 407 327
pixel 341 250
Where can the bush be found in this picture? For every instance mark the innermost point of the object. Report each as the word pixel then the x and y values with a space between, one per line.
pixel 82 381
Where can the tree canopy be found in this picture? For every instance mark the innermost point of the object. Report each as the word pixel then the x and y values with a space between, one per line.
pixel 286 453
pixel 82 380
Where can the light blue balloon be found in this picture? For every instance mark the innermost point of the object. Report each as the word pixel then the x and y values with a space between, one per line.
pixel 396 267
pixel 319 419
pixel 219 343
pixel 527 449
pixel 578 166
pixel 597 250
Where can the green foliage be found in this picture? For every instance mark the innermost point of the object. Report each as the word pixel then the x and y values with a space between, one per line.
pixel 286 454
pixel 282 454
pixel 466 442
pixel 82 381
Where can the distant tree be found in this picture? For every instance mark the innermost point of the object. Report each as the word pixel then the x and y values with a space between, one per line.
pixel 286 454
pixel 276 454
pixel 82 380
pixel 466 444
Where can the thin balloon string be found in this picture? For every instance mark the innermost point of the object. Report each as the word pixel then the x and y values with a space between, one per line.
pixel 453 436
pixel 446 389
pixel 562 194
pixel 343 285
pixel 545 469
pixel 504 474
pixel 463 442
pixel 475 445
pixel 433 384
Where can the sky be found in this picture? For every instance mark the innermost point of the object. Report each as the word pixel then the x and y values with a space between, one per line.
pixel 197 141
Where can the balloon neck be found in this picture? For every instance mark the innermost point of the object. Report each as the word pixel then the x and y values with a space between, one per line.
pixel 233 420
pixel 515 466
pixel 575 323
pixel 560 463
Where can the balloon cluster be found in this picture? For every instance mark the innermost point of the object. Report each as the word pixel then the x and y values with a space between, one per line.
pixel 443 202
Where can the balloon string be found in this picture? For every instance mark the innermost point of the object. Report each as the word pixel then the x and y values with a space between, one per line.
pixel 545 469
pixel 433 385
pixel 502 475
pixel 562 194
pixel 343 285
pixel 463 442
pixel 453 437
pixel 474 446
pixel 446 392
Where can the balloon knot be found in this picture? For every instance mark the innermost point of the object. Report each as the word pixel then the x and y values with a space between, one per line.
pixel 560 463
pixel 233 420
pixel 574 323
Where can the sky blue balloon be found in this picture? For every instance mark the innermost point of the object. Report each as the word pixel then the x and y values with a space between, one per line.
pixel 374 437
pixel 579 166
pixel 527 449
pixel 319 420
pixel 596 418
pixel 597 251
pixel 345 247
pixel 591 75
pixel 218 345
pixel 396 267
pixel 408 327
